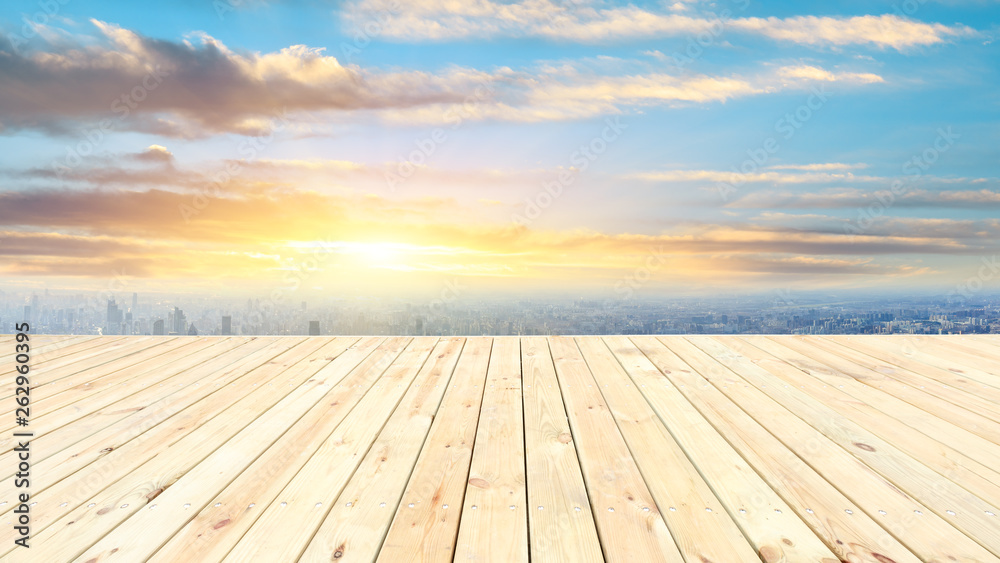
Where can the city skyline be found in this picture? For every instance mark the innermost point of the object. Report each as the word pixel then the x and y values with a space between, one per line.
pixel 550 148
pixel 778 312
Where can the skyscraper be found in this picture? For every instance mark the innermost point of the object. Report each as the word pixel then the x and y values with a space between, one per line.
pixel 179 322
pixel 114 318
pixel 158 327
pixel 227 325
pixel 313 328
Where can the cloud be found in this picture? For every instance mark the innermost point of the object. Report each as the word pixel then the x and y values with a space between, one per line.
pixel 198 87
pixel 440 20
pixel 156 153
pixel 819 166
pixel 572 92
pixel 189 88
pixel 807 176
pixel 90 232
pixel 972 232
pixel 881 31
pixel 154 166
pixel 858 198
pixel 816 74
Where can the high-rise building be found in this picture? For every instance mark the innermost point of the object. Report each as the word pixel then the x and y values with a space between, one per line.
pixel 227 325
pixel 114 318
pixel 313 328
pixel 27 313
pixel 158 327
pixel 179 322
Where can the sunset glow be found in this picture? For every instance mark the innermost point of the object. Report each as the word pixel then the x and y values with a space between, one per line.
pixel 382 148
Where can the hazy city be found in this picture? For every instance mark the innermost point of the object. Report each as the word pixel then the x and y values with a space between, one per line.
pixel 779 312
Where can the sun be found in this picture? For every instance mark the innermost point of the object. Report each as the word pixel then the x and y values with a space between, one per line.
pixel 379 253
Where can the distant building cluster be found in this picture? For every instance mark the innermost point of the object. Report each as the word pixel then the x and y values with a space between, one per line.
pixel 164 315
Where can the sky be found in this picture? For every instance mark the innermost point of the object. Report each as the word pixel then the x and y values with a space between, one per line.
pixel 530 147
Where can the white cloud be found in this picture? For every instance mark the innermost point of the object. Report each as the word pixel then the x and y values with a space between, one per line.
pixel 585 22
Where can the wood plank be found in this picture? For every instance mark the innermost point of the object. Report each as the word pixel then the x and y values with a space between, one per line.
pixel 978 362
pixel 185 448
pixel 85 384
pixel 494 521
pixel 848 531
pixel 556 530
pixel 938 444
pixel 212 533
pixel 39 346
pixel 46 379
pixel 701 527
pixel 136 538
pixel 356 524
pixel 968 346
pixel 122 481
pixel 51 349
pixel 286 526
pixel 56 357
pixel 427 531
pixel 926 401
pixel 771 525
pixel 989 340
pixel 883 479
pixel 64 451
pixel 917 401
pixel 629 523
pixel 983 399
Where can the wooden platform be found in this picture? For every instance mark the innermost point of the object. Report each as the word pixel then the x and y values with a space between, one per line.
pixel 550 449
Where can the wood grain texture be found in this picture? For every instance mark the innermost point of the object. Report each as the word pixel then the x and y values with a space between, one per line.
pixel 691 449
pixel 688 505
pixel 424 531
pixel 877 477
pixel 357 522
pixel 286 526
pixel 769 522
pixel 629 522
pixel 561 524
pixel 494 523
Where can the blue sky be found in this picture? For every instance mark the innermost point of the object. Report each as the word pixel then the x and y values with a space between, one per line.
pixel 502 95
